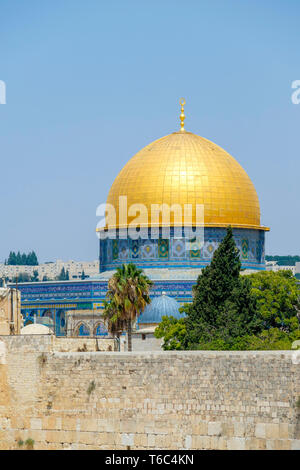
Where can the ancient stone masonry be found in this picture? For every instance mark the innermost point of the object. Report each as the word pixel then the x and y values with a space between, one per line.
pixel 11 319
pixel 150 400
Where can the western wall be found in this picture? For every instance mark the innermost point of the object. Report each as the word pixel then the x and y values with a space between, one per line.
pixel 146 400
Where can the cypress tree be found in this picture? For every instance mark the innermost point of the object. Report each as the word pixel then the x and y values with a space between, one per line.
pixel 223 306
pixel 22 260
pixel 34 259
pixel 35 276
pixel 9 260
pixel 29 259
pixel 12 259
pixel 63 275
pixel 19 259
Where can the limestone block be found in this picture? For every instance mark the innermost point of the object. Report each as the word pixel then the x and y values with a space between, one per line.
pixel 272 431
pixel 69 436
pixel 270 444
pixel 201 442
pixel 239 429
pixel 227 430
pixel 128 426
pixel 295 444
pixel 151 440
pixel 68 423
pixel 283 444
pixel 127 439
pixel 285 431
pixel 88 437
pixel 88 424
pixel 5 423
pixel 108 425
pixel 36 423
pixel 214 429
pixel 17 422
pixel 53 436
pixel 200 428
pixel 140 440
pixel 254 443
pixel 165 441
pixel 37 435
pixel 105 438
pixel 188 442
pixel 236 443
pixel 260 430
pixel 219 444
pixel 58 423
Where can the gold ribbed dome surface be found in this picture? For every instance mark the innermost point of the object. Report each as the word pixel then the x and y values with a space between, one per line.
pixel 184 168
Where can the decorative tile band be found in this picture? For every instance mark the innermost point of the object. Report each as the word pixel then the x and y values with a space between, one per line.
pixel 180 252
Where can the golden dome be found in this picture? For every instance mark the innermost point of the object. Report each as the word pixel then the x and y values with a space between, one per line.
pixel 184 168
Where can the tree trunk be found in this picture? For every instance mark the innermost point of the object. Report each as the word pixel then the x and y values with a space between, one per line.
pixel 129 334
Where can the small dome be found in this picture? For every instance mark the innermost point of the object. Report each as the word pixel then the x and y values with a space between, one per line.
pixel 36 329
pixel 159 307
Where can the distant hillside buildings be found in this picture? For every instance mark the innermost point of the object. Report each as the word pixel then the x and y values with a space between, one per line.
pixel 77 269
pixel 51 270
pixel 274 266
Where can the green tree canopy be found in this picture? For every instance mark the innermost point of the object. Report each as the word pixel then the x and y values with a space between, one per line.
pixel 32 259
pixel 287 260
pixel 35 276
pixel 173 331
pixel 62 275
pixel 22 259
pixel 22 277
pixel 277 296
pixel 230 311
pixel 19 258
pixel 12 258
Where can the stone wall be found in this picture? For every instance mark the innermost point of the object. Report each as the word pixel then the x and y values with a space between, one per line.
pixel 83 344
pixel 146 342
pixel 169 400
pixel 51 343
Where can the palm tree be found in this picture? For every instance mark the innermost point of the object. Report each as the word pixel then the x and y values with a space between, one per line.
pixel 127 296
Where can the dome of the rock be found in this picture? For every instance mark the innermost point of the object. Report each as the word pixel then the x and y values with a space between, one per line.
pixel 174 174
pixel 184 168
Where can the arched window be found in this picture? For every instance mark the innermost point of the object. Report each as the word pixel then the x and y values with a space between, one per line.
pixel 100 330
pixel 47 319
pixel 60 323
pixel 47 314
pixel 83 330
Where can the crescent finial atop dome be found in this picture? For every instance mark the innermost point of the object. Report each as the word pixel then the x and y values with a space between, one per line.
pixel 182 115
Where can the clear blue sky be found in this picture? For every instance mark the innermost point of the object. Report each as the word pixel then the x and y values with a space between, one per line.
pixel 91 82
